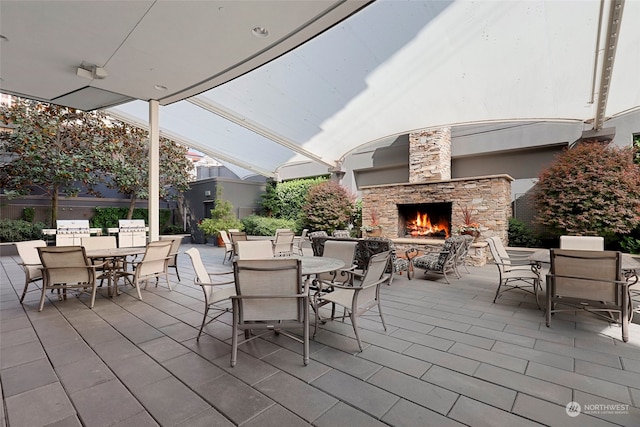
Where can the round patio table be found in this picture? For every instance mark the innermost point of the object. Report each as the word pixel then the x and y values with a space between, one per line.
pixel 116 268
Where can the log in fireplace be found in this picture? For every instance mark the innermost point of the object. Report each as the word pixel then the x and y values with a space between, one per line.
pixel 421 220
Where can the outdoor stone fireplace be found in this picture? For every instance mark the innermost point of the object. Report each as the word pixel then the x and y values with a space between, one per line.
pixel 431 191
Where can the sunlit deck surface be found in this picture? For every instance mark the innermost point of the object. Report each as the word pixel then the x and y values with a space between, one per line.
pixel 450 356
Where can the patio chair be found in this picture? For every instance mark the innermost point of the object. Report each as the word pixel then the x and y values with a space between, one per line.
pixel 237 236
pixel 435 259
pixel 344 251
pixel 298 246
pixel 270 295
pixel 254 249
pixel 320 233
pixel 343 234
pixel 462 251
pixel 175 251
pixel 515 272
pixel 154 265
pixel 217 288
pixel 586 243
pixel 283 245
pixel 358 295
pixel 228 246
pixel 65 268
pixel 590 281
pixel 397 265
pixel 30 262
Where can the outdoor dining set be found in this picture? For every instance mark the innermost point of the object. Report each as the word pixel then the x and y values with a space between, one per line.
pixel 274 284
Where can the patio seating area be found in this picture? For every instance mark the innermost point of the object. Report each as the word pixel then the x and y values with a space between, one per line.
pixel 449 356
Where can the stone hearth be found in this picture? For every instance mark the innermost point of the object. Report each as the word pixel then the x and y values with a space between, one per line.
pixel 487 197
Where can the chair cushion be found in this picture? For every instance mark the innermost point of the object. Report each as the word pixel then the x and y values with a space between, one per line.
pixel 430 261
pixel 400 264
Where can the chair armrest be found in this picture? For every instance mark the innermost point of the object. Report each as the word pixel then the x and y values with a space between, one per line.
pixel 239 297
pixel 515 263
pixel 214 275
pixel 622 283
pixel 214 284
pixel 25 264
pixel 358 288
pixel 518 257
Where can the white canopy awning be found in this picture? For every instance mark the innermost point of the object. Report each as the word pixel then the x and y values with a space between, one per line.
pixel 395 67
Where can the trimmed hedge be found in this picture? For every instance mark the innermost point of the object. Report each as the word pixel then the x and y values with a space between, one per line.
pixel 256 225
pixel 18 230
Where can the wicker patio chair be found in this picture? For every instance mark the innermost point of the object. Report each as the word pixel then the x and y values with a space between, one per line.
pixel 435 259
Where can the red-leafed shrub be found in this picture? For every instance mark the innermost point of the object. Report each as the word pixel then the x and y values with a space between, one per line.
pixel 329 207
pixel 592 189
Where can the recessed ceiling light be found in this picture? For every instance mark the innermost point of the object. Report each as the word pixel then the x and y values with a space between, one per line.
pixel 260 32
pixel 160 87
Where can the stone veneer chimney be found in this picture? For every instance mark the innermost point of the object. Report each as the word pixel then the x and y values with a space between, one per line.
pixel 430 155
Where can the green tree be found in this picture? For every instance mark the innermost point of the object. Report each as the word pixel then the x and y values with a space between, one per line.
pixel 592 189
pixel 62 151
pixel 329 206
pixel 52 149
pixel 128 165
pixel 222 217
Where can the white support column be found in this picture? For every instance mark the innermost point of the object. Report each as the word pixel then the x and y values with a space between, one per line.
pixel 154 170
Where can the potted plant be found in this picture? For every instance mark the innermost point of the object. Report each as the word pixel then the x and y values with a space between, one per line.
pixel 373 229
pixel 469 225
pixel 222 218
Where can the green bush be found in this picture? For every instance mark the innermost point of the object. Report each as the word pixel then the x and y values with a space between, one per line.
pixel 172 229
pixel 19 230
pixel 631 243
pixel 29 214
pixel 222 218
pixel 256 225
pixel 521 235
pixel 108 217
pixel 286 199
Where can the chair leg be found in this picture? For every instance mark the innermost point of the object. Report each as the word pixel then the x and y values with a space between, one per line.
pixel 624 317
pixel 549 295
pixel 234 336
pixel 137 285
pixel 384 325
pixel 24 292
pixel 93 295
pixel 355 328
pixel 446 279
pixel 498 290
pixel 305 351
pixel 177 272
pixel 204 320
pixel 44 292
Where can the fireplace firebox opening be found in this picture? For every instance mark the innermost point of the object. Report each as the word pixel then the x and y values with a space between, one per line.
pixel 425 220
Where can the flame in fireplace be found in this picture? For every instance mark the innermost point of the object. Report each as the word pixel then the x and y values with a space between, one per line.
pixel 422 226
